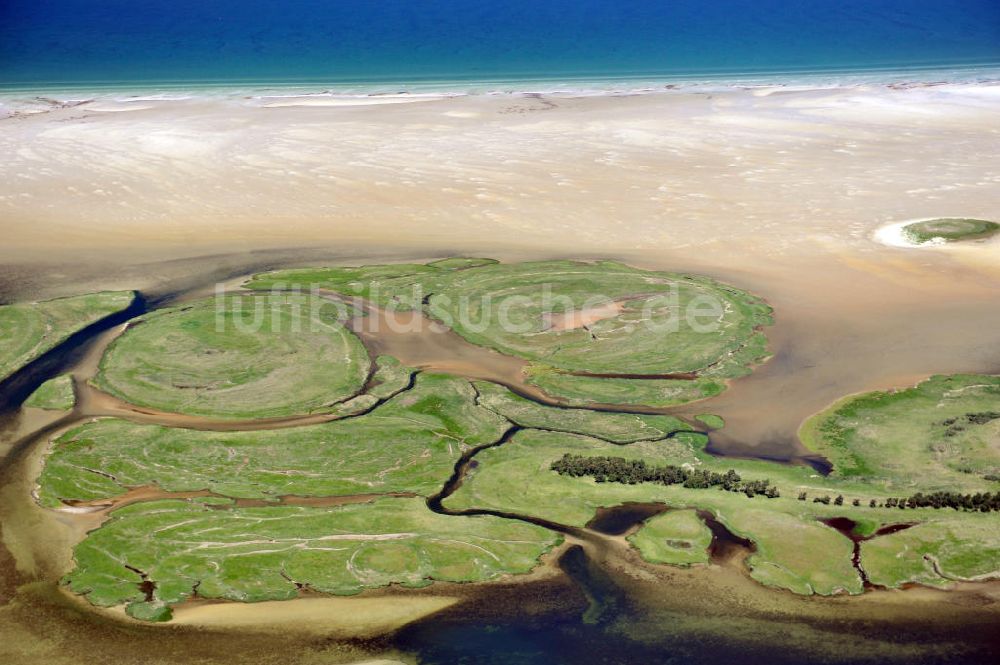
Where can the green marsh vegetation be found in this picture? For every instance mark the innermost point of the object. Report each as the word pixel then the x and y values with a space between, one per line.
pixel 55 394
pixel 237 357
pixel 794 549
pixel 676 537
pixel 949 229
pixel 935 553
pixel 402 433
pixel 593 332
pixel 711 420
pixel 943 431
pixel 408 444
pixel 614 427
pixel 157 553
pixel 27 330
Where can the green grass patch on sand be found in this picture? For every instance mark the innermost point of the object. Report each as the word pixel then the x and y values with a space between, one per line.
pixel 155 554
pixel 408 444
pixel 949 229
pixel 676 537
pixel 942 434
pixel 396 285
pixel 521 303
pixel 55 394
pixel 794 550
pixel 27 330
pixel 460 263
pixel 711 420
pixel 583 390
pixel 615 427
pixel 935 553
pixel 237 357
pixel 575 320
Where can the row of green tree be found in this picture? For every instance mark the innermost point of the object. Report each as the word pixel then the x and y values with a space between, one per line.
pixel 620 470
pixel 983 502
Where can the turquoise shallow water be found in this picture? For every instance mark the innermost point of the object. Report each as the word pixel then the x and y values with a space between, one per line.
pixel 402 44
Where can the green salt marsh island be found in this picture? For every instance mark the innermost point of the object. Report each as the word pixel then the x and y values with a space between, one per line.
pixel 154 554
pixel 237 357
pixel 55 394
pixel 28 330
pixel 596 331
pixel 949 229
pixel 416 476
pixel 781 509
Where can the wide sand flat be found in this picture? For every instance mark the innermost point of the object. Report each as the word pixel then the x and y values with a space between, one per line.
pixel 765 172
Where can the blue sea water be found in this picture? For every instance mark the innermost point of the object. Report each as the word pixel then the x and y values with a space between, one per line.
pixel 149 44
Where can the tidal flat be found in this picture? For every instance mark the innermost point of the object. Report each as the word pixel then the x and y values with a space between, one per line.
pixel 824 283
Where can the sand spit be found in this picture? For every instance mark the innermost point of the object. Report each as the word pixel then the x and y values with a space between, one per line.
pixel 336 617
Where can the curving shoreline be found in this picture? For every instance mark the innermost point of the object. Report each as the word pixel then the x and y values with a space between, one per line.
pixel 138 96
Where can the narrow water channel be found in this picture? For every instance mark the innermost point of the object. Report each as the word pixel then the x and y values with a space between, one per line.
pixel 848 528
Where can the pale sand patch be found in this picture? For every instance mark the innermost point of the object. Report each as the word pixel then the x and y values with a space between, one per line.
pixel 355 617
pixel 335 100
pixel 118 107
pixel 581 318
pixel 766 91
pixel 738 178
pixel 79 510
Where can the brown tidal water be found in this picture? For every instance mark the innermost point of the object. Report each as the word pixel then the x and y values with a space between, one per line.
pixel 855 325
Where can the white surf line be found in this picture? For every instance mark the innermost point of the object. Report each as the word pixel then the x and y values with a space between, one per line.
pixel 892 235
pixel 333 100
